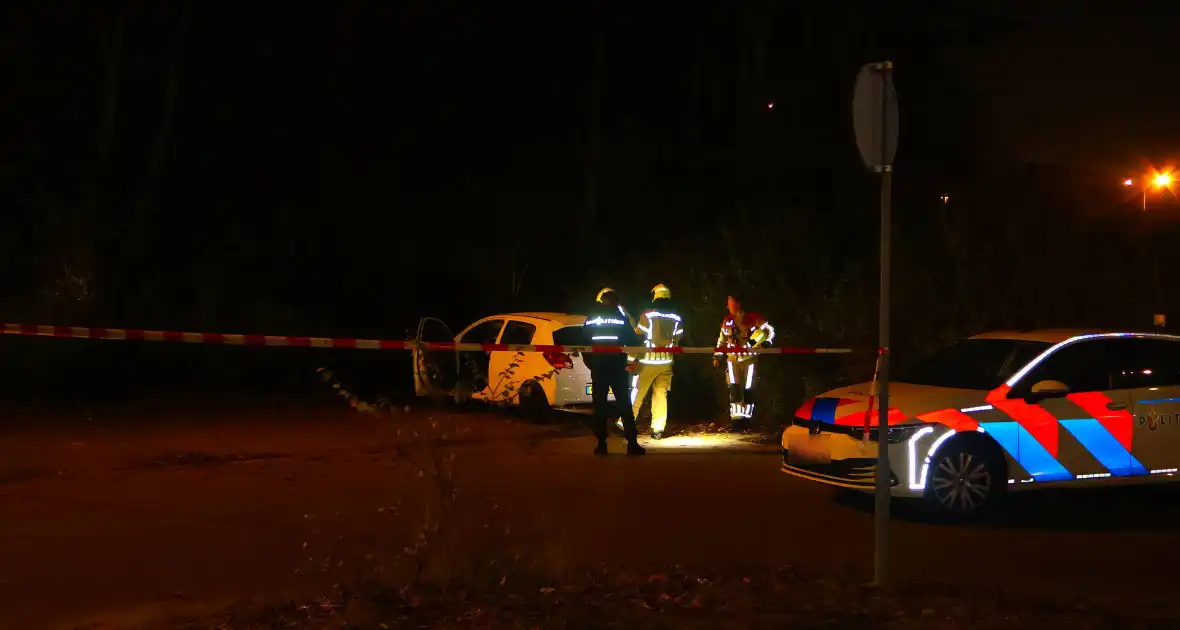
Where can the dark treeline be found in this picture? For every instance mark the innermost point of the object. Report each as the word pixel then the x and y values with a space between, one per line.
pixel 346 170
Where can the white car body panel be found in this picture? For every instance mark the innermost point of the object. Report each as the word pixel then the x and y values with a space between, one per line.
pixel 570 387
pixel 1094 436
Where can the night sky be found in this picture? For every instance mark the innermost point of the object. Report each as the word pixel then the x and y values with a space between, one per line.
pixel 348 167
pixel 1087 83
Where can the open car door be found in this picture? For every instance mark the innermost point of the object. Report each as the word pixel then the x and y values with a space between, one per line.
pixel 436 372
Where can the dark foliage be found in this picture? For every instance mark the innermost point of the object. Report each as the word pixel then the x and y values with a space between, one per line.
pixel 343 171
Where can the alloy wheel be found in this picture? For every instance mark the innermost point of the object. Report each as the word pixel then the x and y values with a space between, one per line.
pixel 962 482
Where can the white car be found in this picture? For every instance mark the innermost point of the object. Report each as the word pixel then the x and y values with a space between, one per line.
pixel 541 380
pixel 1004 411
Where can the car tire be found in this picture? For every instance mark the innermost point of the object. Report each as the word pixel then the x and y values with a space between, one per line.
pixel 966 479
pixel 533 403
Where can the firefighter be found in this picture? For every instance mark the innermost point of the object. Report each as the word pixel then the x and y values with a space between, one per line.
pixel 741 329
pixel 607 325
pixel 661 327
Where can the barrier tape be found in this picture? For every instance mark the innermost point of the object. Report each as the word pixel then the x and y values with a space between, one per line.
pixel 74 332
pixel 872 394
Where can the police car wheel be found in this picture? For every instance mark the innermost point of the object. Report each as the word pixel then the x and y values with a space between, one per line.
pixel 964 481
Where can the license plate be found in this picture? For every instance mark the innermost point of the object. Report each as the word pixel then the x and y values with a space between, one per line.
pixel 589 390
pixel 809 450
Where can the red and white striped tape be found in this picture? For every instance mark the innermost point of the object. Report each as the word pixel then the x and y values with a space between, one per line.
pixel 74 332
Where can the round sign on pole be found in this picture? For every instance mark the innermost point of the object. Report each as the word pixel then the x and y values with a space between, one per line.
pixel 874 115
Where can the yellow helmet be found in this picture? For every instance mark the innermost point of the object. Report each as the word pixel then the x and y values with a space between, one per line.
pixel 603 292
pixel 660 291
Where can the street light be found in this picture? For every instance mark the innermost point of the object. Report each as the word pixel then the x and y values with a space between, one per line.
pixel 1156 180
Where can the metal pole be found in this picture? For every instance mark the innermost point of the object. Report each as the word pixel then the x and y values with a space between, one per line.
pixel 881 515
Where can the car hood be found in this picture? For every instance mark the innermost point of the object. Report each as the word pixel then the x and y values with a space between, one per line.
pixel 848 406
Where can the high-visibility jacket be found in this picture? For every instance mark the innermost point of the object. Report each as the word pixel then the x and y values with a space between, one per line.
pixel 661 327
pixel 751 332
pixel 605 326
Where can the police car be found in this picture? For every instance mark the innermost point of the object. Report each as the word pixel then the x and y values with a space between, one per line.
pixel 1004 411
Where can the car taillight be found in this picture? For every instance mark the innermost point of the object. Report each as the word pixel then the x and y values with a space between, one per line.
pixel 559 360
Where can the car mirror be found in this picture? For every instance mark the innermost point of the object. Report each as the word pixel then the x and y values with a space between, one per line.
pixel 1047 389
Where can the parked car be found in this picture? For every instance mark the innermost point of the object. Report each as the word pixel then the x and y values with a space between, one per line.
pixel 1004 411
pixel 541 380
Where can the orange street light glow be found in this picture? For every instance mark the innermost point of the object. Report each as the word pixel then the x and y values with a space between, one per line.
pixel 1162 180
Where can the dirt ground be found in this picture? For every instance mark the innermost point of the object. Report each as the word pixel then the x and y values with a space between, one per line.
pixel 116 517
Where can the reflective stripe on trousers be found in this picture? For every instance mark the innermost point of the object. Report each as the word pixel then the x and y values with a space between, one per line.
pixel 741 377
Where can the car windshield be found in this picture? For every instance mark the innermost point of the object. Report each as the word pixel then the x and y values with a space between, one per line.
pixel 982 364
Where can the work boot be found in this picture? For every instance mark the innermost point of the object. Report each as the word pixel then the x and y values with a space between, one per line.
pixel 601 448
pixel 633 448
pixel 657 435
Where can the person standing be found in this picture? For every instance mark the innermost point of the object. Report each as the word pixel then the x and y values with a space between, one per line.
pixel 607 325
pixel 661 327
pixel 741 329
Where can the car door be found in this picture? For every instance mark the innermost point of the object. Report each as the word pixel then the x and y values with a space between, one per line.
pixel 504 377
pixel 1153 378
pixel 1084 432
pixel 435 371
pixel 574 386
pixel 474 365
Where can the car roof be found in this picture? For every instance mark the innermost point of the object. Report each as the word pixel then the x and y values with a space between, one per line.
pixel 1053 335
pixel 562 319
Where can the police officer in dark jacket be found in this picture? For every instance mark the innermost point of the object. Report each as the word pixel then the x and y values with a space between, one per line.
pixel 607 325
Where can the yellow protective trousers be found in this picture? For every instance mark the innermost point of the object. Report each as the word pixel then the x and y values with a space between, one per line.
pixel 658 380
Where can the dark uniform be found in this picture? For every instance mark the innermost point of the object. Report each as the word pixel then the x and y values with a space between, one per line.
pixel 607 326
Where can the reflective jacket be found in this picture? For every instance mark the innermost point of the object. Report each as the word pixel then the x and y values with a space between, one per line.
pixel 605 326
pixel 751 332
pixel 661 327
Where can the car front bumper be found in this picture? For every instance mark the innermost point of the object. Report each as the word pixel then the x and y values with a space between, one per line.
pixel 841 459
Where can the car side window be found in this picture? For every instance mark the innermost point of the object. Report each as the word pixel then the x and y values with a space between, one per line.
pixel 1150 363
pixel 520 333
pixel 1086 366
pixel 569 336
pixel 485 332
